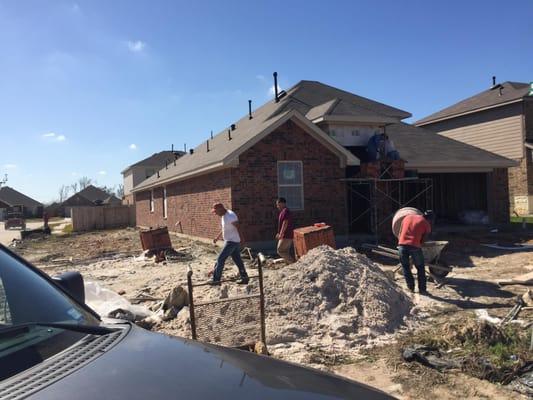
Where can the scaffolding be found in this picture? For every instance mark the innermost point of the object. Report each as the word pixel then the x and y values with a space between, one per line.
pixel 385 197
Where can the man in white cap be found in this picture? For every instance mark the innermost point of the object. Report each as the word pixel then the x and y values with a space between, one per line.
pixel 232 244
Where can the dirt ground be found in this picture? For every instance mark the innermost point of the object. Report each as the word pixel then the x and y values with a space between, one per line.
pixel 114 260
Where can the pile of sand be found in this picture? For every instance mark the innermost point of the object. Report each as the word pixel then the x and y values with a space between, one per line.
pixel 330 300
pixel 332 297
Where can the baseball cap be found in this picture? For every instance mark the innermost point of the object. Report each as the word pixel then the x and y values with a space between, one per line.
pixel 217 205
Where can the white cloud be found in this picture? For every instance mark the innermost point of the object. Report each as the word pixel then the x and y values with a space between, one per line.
pixel 10 166
pixel 260 77
pixel 133 146
pixel 74 173
pixel 136 46
pixel 102 172
pixel 75 8
pixel 54 137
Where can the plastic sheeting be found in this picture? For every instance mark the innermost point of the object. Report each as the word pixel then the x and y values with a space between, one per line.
pixel 110 304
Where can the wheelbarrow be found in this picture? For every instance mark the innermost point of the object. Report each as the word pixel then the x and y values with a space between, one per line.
pixel 431 250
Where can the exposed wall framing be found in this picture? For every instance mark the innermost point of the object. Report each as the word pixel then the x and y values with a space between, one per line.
pixel 383 198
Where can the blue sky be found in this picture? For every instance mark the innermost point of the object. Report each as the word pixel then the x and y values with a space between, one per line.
pixel 83 81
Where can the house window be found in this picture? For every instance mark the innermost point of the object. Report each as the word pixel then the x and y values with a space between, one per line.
pixel 152 200
pixel 290 183
pixel 165 202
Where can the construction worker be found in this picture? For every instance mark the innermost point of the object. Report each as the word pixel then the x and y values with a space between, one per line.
pixel 232 244
pixel 413 233
pixel 285 231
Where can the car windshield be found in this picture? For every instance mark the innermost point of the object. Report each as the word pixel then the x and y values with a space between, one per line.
pixel 27 298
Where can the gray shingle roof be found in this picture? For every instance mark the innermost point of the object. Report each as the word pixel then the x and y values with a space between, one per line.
pixel 156 160
pixel 422 148
pixel 339 109
pixel 510 91
pixel 301 99
pixel 13 198
pixel 311 100
pixel 94 194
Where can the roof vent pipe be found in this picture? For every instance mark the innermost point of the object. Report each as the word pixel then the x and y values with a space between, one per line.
pixel 493 80
pixel 501 90
pixel 211 134
pixel 229 134
pixel 166 164
pixel 207 145
pixel 233 127
pixel 276 86
pixel 250 109
pixel 172 147
pixel 191 151
pixel 158 174
pixel 185 147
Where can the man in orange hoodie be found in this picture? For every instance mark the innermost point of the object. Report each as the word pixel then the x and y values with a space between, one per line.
pixel 413 232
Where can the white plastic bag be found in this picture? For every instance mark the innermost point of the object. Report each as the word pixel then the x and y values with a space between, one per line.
pixel 105 302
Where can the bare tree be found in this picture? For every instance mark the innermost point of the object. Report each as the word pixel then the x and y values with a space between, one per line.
pixel 74 187
pixel 109 190
pixel 119 190
pixel 84 182
pixel 63 193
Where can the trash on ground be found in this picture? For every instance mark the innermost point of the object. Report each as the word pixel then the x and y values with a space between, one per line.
pixel 430 357
pixel 108 303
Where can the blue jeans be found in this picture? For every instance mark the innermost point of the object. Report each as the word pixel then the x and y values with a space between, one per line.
pixel 415 253
pixel 232 249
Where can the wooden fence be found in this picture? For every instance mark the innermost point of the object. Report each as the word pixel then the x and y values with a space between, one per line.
pixel 102 217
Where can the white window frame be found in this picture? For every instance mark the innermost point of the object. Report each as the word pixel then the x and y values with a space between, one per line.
pixel 165 203
pixel 292 185
pixel 152 205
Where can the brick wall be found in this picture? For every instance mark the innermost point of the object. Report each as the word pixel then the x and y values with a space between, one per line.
pixel 498 196
pixel 521 177
pixel 188 201
pixel 518 180
pixel 254 183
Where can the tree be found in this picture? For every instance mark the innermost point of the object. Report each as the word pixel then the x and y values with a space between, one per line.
pixel 84 182
pixel 119 190
pixel 109 190
pixel 74 187
pixel 63 193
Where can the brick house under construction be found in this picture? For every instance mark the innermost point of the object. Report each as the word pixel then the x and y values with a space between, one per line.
pixel 308 145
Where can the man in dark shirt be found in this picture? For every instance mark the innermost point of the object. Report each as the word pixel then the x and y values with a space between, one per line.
pixel 285 231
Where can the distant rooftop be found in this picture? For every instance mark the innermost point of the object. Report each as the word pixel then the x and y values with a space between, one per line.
pixel 157 160
pixel 499 94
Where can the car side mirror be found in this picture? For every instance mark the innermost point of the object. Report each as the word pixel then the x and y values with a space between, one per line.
pixel 72 282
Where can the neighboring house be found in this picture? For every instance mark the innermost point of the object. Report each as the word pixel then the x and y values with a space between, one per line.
pixel 499 120
pixel 138 172
pixel 303 147
pixel 9 197
pixel 90 196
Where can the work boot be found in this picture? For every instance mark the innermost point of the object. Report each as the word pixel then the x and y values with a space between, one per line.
pixel 423 292
pixel 214 283
pixel 243 281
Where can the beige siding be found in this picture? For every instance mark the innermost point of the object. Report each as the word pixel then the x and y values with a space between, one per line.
pixel 499 130
pixel 128 182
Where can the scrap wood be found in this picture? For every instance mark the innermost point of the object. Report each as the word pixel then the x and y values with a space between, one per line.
pixel 512 313
pixel 525 280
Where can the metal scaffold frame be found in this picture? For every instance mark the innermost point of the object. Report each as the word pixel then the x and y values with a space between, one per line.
pixel 376 191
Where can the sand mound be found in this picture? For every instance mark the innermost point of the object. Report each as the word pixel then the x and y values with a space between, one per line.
pixel 332 296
